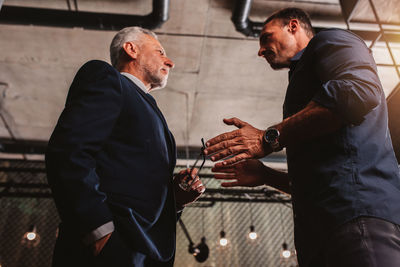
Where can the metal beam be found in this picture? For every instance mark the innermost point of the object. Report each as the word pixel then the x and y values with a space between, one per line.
pixel 384 35
pixel 393 103
pixel 348 7
pixel 22 146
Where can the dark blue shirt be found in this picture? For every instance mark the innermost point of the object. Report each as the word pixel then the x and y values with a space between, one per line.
pixel 353 171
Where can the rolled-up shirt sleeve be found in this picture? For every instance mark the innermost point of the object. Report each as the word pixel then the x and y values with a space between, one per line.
pixel 350 86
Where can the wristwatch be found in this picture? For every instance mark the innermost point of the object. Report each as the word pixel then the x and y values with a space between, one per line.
pixel 271 138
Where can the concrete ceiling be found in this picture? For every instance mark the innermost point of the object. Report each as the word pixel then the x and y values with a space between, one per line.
pixel 217 73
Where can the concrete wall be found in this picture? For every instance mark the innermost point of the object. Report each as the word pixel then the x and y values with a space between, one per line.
pixel 217 73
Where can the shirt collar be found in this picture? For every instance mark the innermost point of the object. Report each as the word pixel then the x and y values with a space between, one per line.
pixel 136 81
pixel 298 55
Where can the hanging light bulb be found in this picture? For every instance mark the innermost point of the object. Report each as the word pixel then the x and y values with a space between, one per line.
pixel 285 253
pixel 223 241
pixel 252 234
pixel 31 238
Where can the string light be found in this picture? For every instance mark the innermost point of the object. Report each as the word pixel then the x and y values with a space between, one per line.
pixel 285 253
pixel 223 241
pixel 252 233
pixel 31 238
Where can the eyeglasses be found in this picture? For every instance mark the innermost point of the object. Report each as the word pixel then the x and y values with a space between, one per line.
pixel 185 185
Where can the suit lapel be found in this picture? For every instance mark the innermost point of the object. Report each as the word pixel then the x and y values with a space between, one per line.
pixel 150 99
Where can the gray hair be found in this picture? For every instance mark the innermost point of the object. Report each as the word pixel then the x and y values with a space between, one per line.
pixel 129 34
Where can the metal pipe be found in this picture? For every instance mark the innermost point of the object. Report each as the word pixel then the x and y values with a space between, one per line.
pixel 84 19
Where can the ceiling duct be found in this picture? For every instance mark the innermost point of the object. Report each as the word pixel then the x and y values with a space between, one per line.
pixel 84 19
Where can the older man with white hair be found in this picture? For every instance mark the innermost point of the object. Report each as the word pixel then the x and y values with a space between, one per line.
pixel 110 162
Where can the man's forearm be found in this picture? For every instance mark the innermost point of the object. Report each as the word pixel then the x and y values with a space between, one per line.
pixel 312 121
pixel 277 179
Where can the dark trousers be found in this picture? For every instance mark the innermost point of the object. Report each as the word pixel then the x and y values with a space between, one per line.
pixel 69 252
pixel 362 242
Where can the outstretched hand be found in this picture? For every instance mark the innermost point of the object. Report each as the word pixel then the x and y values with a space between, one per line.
pixel 245 173
pixel 243 143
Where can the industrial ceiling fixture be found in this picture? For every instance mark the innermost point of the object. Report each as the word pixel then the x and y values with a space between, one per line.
pixel 201 250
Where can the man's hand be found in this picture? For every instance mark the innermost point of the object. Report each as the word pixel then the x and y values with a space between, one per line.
pixel 251 173
pixel 99 244
pixel 195 190
pixel 245 173
pixel 244 143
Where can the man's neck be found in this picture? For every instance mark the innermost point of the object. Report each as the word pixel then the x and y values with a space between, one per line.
pixel 302 41
pixel 129 68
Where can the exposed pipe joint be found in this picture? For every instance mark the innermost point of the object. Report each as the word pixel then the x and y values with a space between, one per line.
pixel 240 18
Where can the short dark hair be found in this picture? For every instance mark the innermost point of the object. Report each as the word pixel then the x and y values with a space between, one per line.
pixel 286 14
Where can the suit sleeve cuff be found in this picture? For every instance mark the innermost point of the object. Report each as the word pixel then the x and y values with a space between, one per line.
pixel 98 233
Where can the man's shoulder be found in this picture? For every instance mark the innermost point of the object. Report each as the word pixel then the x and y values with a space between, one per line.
pixel 96 65
pixel 93 69
pixel 96 71
pixel 336 36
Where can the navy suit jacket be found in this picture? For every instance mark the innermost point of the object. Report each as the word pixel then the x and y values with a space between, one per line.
pixel 111 158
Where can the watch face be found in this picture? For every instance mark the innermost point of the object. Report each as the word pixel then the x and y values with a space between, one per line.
pixel 271 135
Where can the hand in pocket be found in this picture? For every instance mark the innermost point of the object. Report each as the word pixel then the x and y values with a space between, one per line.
pixel 99 244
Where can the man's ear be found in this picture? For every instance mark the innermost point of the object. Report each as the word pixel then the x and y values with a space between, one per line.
pixel 131 49
pixel 293 26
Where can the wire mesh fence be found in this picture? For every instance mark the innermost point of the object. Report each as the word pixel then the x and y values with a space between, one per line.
pixel 23 207
pixel 272 222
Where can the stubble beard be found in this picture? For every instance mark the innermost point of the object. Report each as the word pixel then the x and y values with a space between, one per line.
pixel 156 79
pixel 278 65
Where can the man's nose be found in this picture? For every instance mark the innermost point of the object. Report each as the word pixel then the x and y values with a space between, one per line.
pixel 169 63
pixel 261 52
